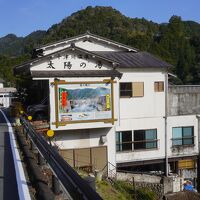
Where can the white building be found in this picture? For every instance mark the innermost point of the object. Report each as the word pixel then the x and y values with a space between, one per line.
pixel 108 104
pixel 6 94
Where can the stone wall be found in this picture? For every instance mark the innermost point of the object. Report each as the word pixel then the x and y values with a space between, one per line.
pixel 157 188
pixel 158 184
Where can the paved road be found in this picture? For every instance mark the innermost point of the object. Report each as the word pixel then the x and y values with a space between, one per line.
pixel 8 184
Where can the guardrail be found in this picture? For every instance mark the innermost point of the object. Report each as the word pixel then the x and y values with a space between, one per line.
pixel 72 183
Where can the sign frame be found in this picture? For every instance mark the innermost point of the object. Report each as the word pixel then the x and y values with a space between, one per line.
pixel 58 82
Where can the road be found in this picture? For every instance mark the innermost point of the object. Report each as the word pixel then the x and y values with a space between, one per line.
pixel 8 183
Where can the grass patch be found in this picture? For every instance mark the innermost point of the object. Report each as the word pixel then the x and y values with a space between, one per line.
pixel 108 192
pixel 121 190
pixel 145 194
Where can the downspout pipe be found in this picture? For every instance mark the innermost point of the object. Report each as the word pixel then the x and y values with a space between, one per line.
pixel 166 114
pixel 198 160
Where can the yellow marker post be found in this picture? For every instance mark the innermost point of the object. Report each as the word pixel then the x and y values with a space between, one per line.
pixel 21 112
pixel 30 118
pixel 50 133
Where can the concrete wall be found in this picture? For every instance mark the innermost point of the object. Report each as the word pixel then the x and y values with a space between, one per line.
pixel 183 100
pixel 158 184
pixel 138 177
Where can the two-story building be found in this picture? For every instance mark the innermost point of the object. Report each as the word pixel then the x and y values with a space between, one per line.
pixel 108 104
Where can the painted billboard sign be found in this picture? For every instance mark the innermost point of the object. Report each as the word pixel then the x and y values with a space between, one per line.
pixel 79 102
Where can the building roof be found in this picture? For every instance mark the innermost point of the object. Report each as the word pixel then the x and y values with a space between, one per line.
pixel 87 35
pixel 127 58
pixel 135 59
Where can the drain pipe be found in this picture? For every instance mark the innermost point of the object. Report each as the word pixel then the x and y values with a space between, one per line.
pixel 198 160
pixel 165 117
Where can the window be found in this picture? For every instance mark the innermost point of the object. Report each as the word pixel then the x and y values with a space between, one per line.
pixel 182 136
pixel 138 89
pixel 145 139
pixel 159 86
pixel 124 141
pixel 125 89
pixel 135 89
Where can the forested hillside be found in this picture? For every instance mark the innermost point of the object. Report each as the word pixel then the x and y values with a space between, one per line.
pixel 177 41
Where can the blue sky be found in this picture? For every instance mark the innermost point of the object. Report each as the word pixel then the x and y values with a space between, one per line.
pixel 22 17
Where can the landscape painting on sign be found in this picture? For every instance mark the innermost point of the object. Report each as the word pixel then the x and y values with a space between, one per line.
pixel 79 102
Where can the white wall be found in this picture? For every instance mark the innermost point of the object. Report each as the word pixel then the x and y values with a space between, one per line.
pixel 143 154
pixel 152 104
pixel 181 121
pixel 140 113
pixel 86 138
pixel 58 63
pixel 89 46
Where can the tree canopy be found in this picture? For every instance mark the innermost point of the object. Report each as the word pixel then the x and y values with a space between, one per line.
pixel 176 42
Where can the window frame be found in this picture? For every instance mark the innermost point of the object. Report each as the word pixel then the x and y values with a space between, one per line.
pixel 119 141
pixel 183 138
pixel 159 86
pixel 146 141
pixel 125 90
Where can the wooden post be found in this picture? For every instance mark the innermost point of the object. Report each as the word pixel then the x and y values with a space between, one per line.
pixel 134 190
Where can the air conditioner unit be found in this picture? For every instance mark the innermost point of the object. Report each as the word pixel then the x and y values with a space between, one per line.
pixel 103 139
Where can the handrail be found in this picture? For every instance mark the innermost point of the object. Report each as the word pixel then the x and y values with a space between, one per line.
pixel 74 185
pixel 140 141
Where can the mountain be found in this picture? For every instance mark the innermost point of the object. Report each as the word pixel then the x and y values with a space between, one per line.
pixel 177 41
pixel 11 45
pixel 103 21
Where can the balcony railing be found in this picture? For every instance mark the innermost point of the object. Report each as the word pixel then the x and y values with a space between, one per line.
pixel 137 145
pixel 183 141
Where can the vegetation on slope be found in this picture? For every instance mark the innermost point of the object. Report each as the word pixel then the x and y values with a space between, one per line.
pixel 123 191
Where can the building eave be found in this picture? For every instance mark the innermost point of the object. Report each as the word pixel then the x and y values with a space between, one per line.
pixel 86 35
pixel 24 68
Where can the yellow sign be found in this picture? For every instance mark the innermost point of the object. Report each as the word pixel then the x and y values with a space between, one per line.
pixel 50 133
pixel 30 118
pixel 186 164
pixel 108 102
